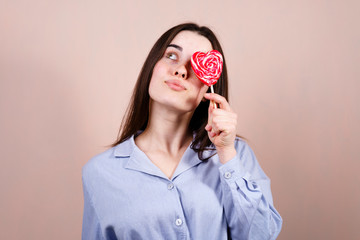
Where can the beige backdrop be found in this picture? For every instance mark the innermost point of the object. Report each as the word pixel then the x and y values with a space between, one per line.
pixel 67 69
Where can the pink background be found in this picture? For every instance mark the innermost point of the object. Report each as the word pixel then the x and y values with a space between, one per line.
pixel 67 69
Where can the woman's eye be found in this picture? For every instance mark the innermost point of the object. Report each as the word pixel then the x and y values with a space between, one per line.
pixel 172 56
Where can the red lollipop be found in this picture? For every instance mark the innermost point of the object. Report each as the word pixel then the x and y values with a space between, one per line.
pixel 207 67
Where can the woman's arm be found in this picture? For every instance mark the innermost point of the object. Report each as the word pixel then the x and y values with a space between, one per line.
pixel 91 229
pixel 247 199
pixel 246 193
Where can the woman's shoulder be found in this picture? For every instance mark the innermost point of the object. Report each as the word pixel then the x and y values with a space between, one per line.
pixel 97 162
pixel 110 158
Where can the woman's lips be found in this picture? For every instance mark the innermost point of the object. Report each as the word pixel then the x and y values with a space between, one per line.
pixel 175 85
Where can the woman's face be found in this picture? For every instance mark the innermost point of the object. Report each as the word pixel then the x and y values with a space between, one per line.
pixel 173 83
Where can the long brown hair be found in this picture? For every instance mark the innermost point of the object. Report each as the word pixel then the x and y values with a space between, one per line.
pixel 137 113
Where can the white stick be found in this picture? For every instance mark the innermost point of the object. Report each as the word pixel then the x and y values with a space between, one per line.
pixel 212 91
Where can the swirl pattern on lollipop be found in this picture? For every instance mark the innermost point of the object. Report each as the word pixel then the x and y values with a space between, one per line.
pixel 207 66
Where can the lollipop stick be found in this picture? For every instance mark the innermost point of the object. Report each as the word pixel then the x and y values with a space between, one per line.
pixel 212 91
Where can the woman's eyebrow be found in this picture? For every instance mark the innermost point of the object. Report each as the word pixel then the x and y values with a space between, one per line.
pixel 175 46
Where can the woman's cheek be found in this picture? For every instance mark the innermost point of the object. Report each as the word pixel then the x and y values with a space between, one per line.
pixel 202 91
pixel 157 77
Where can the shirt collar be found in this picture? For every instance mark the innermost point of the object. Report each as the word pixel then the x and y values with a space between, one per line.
pixel 125 148
pixel 137 159
pixel 188 160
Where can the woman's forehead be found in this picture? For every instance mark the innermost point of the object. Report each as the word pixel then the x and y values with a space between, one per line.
pixel 191 41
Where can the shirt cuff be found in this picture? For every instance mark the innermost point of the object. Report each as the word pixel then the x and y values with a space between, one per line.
pixel 232 170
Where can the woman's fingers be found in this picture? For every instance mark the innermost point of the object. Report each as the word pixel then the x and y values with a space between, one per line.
pixel 223 104
pixel 221 126
pixel 222 119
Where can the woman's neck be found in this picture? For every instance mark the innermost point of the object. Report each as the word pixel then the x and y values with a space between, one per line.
pixel 167 129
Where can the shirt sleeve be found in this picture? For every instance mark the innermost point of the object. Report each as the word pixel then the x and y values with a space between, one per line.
pixel 247 199
pixel 91 229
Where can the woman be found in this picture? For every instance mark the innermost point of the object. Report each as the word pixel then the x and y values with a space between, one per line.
pixel 177 170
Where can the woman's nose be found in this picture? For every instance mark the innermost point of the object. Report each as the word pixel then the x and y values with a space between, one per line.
pixel 181 72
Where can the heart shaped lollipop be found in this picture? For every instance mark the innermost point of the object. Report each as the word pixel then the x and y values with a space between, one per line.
pixel 207 66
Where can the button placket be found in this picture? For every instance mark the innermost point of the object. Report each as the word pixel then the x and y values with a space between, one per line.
pixel 180 219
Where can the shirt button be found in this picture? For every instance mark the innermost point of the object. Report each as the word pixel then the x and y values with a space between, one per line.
pixel 170 186
pixel 227 175
pixel 178 222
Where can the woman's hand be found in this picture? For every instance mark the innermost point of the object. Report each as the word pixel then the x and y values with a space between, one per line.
pixel 221 127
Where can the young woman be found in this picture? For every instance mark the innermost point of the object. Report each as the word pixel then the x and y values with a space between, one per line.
pixel 178 170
